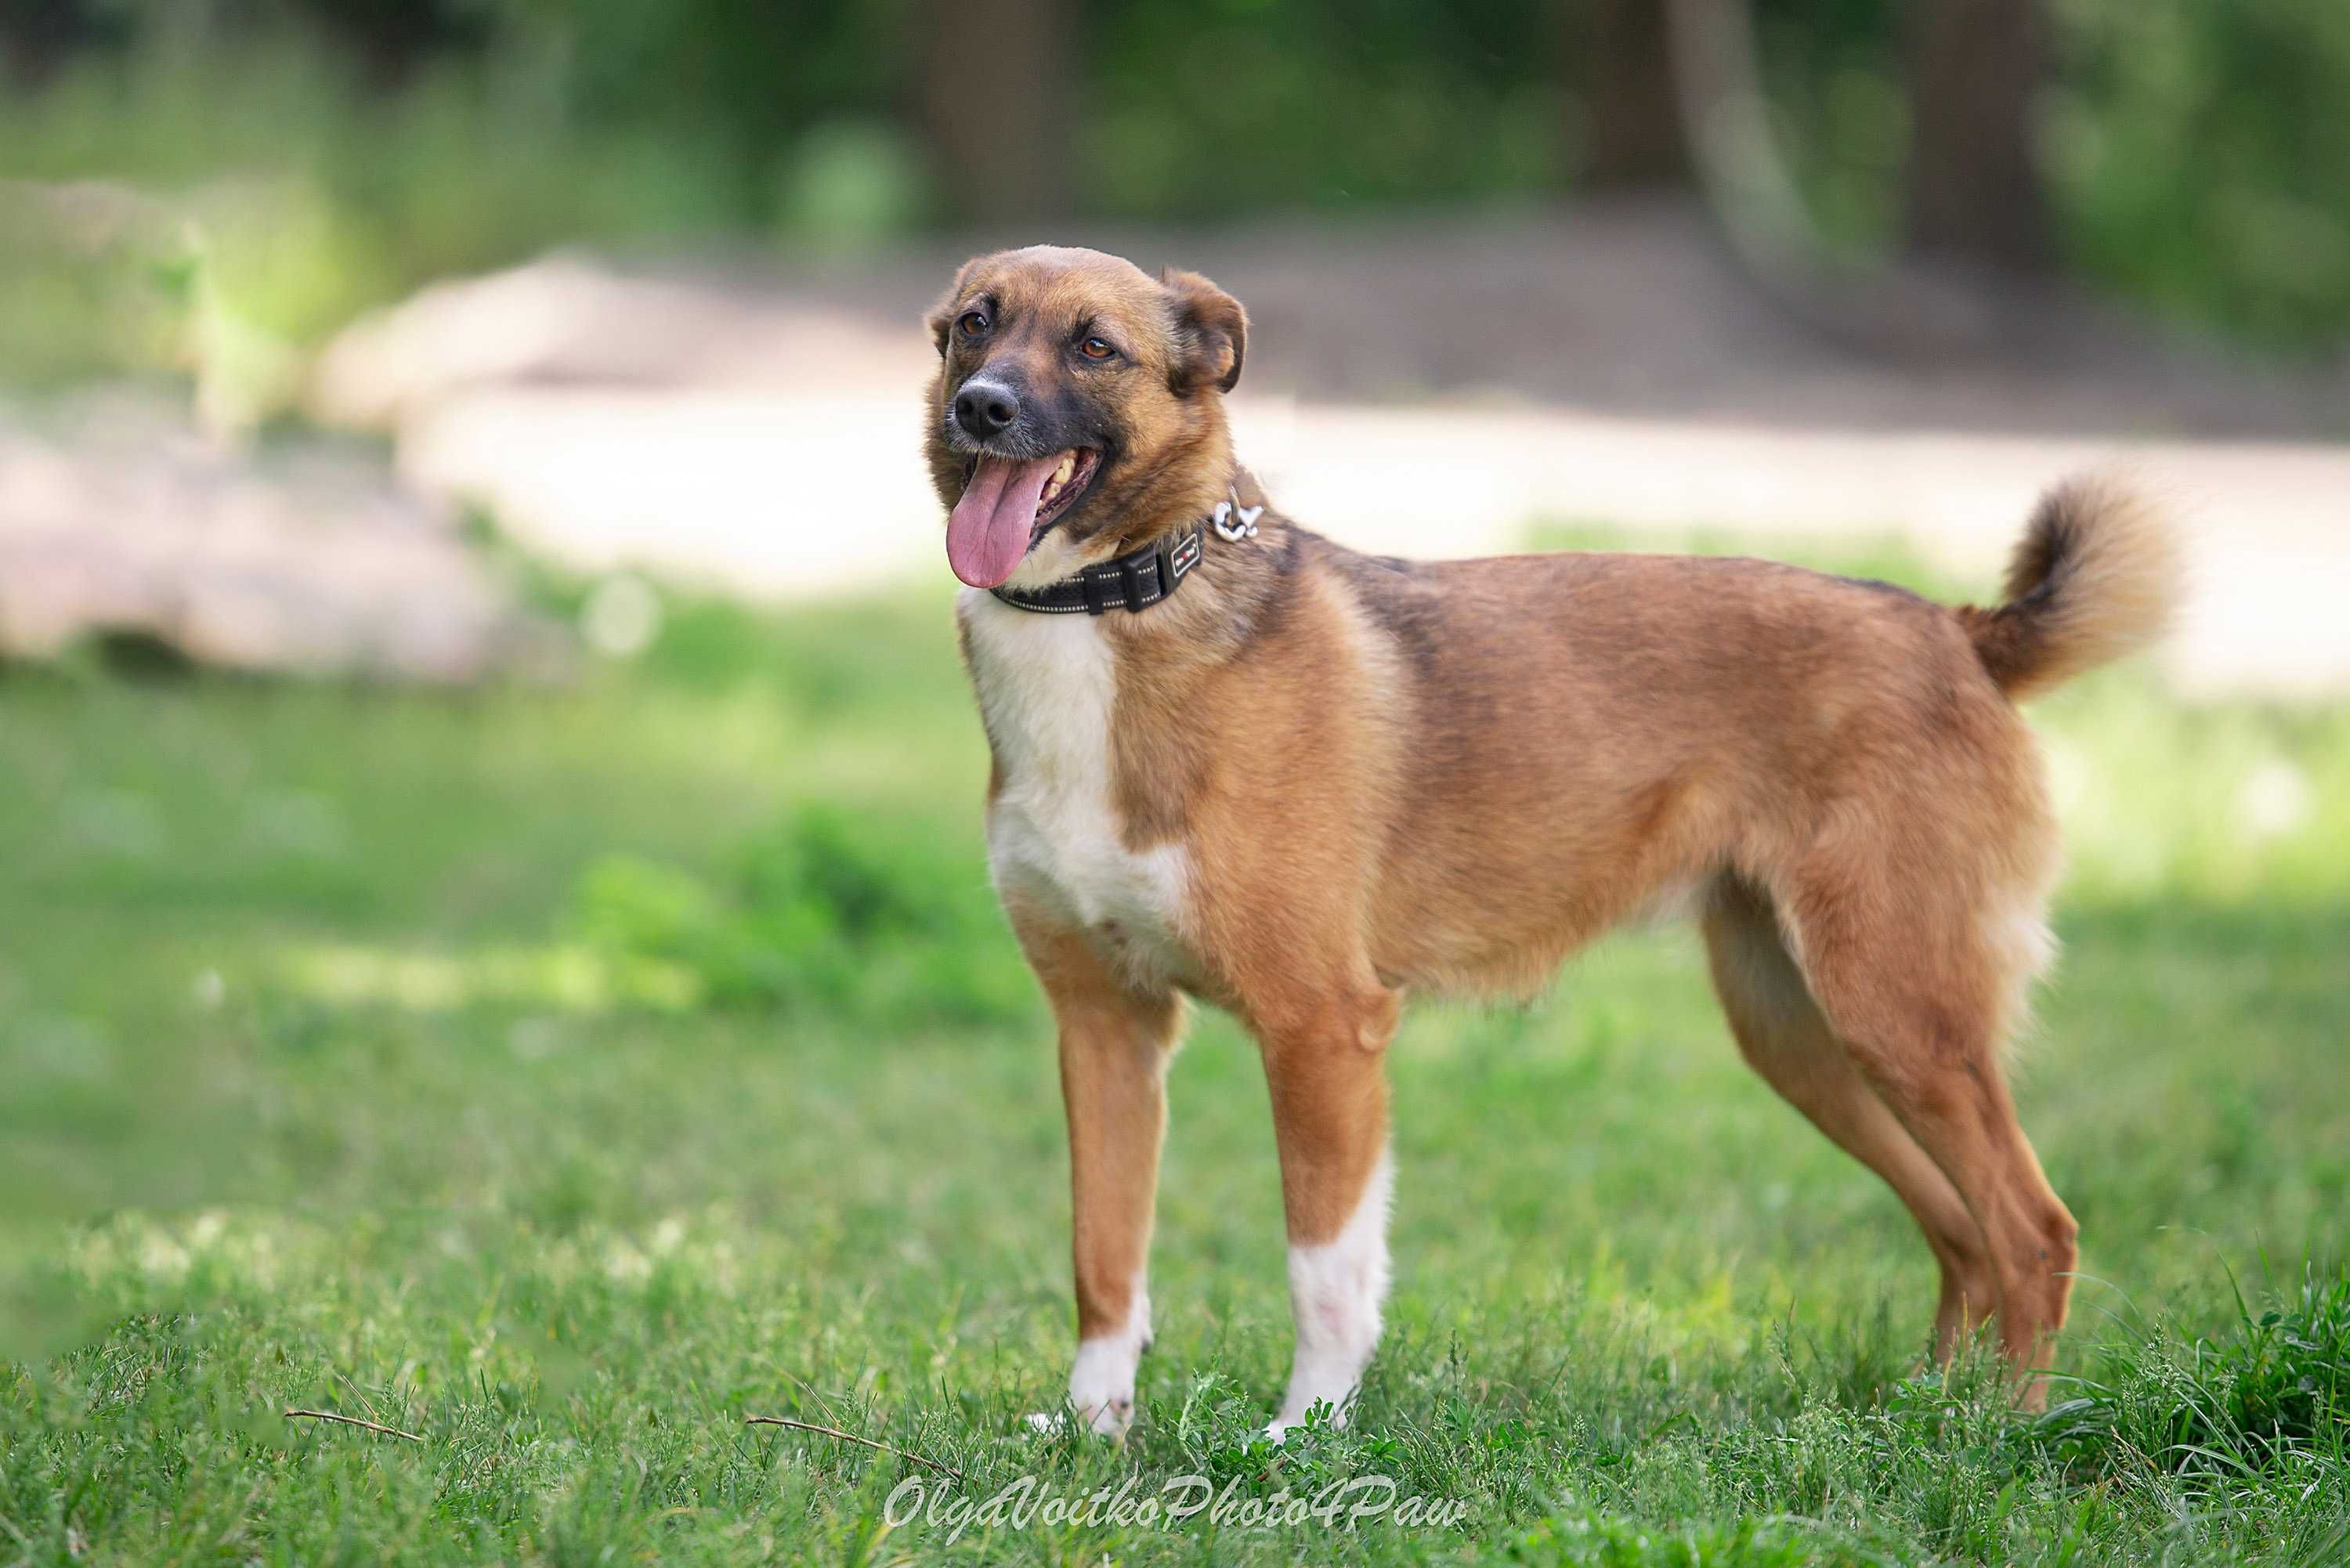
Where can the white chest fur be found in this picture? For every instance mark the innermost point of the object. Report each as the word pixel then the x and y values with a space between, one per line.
pixel 1047 685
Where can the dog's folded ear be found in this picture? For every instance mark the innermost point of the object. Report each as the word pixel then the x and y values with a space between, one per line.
pixel 942 314
pixel 941 317
pixel 1210 332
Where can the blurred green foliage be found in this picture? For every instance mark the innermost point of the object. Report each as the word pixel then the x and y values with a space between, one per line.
pixel 832 913
pixel 2203 157
pixel 1244 105
pixel 299 196
pixel 334 153
pixel 2195 150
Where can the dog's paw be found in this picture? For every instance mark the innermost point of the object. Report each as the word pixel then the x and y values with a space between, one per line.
pixel 1101 1383
pixel 1101 1394
pixel 1109 1420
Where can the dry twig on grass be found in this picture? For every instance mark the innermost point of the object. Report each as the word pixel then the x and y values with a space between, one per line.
pixel 352 1421
pixel 850 1438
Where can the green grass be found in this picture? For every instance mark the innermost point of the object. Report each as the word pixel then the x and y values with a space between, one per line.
pixel 563 1077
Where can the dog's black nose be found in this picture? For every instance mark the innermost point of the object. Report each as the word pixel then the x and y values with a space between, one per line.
pixel 985 411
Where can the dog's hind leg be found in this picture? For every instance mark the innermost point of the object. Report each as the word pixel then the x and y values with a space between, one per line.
pixel 1784 1036
pixel 1115 1045
pixel 1917 979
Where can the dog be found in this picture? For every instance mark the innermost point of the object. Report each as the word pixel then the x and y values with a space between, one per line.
pixel 1235 761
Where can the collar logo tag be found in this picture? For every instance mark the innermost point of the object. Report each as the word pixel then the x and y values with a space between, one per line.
pixel 1185 555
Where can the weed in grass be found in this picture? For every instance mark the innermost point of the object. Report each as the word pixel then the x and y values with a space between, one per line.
pixel 2274 1393
pixel 828 914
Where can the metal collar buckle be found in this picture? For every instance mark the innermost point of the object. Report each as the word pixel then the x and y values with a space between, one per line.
pixel 1235 521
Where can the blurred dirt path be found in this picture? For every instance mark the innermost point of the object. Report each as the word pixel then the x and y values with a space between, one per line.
pixel 761 433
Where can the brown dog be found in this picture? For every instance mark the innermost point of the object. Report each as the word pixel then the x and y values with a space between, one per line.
pixel 1236 760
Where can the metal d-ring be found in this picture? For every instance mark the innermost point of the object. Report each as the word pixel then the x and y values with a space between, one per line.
pixel 1233 522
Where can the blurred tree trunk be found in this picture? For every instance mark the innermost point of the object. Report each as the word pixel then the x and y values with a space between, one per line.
pixel 996 106
pixel 1974 177
pixel 36 37
pixel 393 40
pixel 1635 119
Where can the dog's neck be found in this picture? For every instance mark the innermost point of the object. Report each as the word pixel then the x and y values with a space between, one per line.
pixel 1216 557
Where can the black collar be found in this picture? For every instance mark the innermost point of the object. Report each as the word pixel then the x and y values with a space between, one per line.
pixel 1131 582
pixel 1135 581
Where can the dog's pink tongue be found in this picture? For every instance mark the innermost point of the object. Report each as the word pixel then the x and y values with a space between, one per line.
pixel 987 533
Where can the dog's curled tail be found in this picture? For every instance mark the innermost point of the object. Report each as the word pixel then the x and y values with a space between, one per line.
pixel 2097 576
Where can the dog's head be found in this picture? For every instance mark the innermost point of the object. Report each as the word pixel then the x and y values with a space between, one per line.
pixel 1078 409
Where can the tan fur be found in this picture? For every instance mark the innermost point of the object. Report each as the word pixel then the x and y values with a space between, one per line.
pixel 1115 1045
pixel 1390 777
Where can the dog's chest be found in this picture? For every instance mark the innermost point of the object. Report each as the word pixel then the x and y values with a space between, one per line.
pixel 1047 690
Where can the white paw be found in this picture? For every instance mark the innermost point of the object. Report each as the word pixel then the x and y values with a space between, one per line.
pixel 1109 1419
pixel 1101 1383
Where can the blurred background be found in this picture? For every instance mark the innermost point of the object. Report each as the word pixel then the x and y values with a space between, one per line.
pixel 636 280
pixel 496 933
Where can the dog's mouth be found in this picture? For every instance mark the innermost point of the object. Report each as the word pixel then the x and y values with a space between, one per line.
pixel 1008 504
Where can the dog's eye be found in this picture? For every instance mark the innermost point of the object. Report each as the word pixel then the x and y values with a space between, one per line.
pixel 1096 349
pixel 972 322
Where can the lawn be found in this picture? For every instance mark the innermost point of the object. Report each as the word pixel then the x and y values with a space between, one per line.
pixel 560 1078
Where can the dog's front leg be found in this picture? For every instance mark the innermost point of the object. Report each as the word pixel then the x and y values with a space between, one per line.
pixel 1330 1117
pixel 1115 1045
